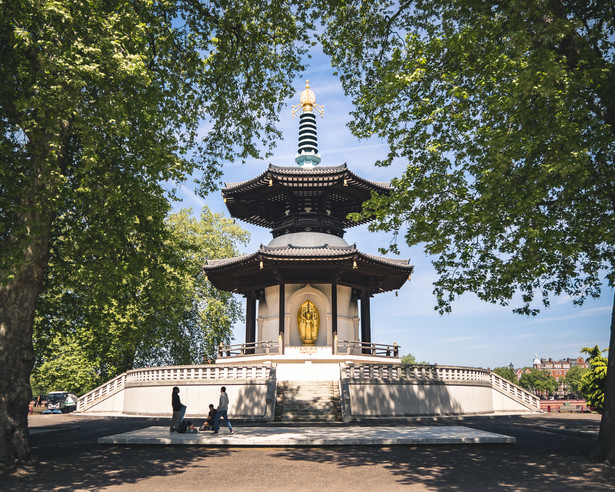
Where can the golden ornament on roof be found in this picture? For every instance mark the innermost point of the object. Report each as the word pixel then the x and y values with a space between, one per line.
pixel 308 102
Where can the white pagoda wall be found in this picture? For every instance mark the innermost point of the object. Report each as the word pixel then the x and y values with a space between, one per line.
pixel 296 295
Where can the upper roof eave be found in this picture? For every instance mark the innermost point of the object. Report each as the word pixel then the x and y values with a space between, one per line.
pixel 299 172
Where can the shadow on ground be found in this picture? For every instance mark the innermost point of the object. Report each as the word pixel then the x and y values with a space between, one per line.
pixel 541 460
pixel 110 466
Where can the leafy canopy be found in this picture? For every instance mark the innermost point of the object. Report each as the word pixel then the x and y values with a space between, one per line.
pixel 507 373
pixel 593 383
pixel 505 113
pixel 103 101
pixel 574 377
pixel 411 359
pixel 539 381
pixel 153 308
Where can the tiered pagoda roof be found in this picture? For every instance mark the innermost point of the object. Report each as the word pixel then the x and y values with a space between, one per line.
pixel 272 265
pixel 294 199
pixel 306 207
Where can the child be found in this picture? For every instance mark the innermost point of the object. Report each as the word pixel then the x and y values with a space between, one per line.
pixel 191 428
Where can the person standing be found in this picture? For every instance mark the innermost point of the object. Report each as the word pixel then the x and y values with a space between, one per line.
pixel 177 409
pixel 222 412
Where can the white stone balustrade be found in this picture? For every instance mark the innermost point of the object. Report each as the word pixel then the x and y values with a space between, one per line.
pixel 426 373
pixel 507 387
pixel 175 375
pixel 416 372
pixel 107 389
pixel 406 388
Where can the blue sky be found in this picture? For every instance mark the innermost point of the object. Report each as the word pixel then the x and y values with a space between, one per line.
pixel 476 333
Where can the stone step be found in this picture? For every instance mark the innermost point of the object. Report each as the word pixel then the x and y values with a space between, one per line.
pixel 309 390
pixel 306 398
pixel 301 385
pixel 308 401
pixel 296 408
pixel 304 411
pixel 301 418
pixel 315 389
pixel 308 411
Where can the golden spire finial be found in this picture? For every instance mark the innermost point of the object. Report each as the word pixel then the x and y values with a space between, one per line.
pixel 308 102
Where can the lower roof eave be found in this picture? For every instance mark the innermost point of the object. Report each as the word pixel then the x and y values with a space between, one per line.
pixel 267 268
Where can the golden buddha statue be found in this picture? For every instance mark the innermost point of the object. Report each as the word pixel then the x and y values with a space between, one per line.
pixel 308 321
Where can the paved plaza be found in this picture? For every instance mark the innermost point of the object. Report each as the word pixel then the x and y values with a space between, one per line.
pixel 273 435
pixel 551 453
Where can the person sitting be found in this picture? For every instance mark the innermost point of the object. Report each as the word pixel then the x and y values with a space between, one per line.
pixel 209 423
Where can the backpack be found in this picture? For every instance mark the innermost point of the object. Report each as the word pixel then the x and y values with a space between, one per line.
pixel 183 427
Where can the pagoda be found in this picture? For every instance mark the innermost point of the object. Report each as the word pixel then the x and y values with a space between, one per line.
pixel 308 352
pixel 308 291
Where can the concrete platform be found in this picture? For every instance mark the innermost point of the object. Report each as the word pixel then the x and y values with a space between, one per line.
pixel 312 436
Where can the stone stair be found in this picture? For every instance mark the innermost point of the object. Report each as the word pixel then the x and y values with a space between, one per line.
pixel 308 401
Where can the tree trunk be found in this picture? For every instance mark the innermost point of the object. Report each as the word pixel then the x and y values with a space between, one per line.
pixel 17 308
pixel 606 440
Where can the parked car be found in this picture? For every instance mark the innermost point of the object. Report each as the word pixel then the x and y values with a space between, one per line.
pixel 61 400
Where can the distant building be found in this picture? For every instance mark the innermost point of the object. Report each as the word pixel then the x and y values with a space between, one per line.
pixel 559 368
pixel 521 371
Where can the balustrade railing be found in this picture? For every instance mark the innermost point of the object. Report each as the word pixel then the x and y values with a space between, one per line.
pixel 387 372
pixel 343 347
pixel 424 372
pixel 103 391
pixel 196 373
pixel 173 374
pixel 367 348
pixel 416 372
pixel 512 389
pixel 251 348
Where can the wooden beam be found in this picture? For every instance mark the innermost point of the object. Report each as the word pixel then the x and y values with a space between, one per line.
pixel 366 329
pixel 250 319
pixel 333 310
pixel 281 310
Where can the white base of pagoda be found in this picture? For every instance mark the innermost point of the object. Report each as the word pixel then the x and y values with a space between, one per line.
pixel 366 390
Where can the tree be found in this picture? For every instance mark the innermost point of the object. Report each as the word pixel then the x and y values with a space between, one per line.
pixel 162 312
pixel 505 113
pixel 592 352
pixel 212 313
pixel 573 379
pixel 507 373
pixel 101 104
pixel 411 359
pixel 67 369
pixel 540 381
pixel 593 384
